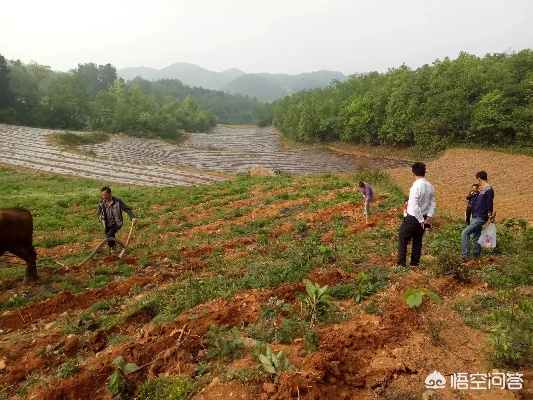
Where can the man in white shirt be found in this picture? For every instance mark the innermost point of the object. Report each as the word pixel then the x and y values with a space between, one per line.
pixel 421 207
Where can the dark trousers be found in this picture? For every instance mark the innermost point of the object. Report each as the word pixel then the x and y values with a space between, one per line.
pixel 410 229
pixel 110 231
pixel 469 211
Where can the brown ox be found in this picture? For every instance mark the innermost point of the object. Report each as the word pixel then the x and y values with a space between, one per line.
pixel 16 231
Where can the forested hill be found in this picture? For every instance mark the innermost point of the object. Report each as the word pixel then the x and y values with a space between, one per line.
pixel 264 86
pixel 471 100
pixel 94 97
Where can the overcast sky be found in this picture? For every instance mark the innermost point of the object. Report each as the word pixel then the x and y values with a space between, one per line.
pixel 276 36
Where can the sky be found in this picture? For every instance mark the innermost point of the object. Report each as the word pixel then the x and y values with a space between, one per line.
pixel 275 36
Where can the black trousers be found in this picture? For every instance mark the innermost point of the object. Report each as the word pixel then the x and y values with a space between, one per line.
pixel 110 231
pixel 469 211
pixel 410 230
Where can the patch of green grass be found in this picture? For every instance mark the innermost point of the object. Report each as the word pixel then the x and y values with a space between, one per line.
pixel 72 140
pixel 13 272
pixel 119 270
pixel 475 312
pixel 167 388
pixel 118 338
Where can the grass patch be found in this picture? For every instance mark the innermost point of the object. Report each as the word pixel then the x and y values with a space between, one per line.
pixel 72 140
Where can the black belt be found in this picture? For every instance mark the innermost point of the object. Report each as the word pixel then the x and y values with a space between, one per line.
pixel 425 216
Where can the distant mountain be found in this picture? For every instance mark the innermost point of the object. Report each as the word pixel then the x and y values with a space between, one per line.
pixel 148 73
pixel 189 74
pixel 256 85
pixel 269 87
pixel 264 86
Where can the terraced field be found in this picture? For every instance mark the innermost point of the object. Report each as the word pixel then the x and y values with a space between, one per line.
pixel 29 147
pixel 200 160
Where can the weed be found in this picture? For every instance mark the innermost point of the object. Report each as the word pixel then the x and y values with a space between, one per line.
pixel 144 261
pixel 243 374
pixel 372 307
pixel 299 226
pixel 135 290
pixel 167 388
pixel 118 338
pixel 270 329
pixel 222 343
pixel 343 292
pixel 202 368
pixel 68 368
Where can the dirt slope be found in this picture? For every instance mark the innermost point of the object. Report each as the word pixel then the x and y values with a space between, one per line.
pixel 455 171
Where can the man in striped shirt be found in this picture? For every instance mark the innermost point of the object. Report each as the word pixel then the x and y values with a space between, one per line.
pixel 421 207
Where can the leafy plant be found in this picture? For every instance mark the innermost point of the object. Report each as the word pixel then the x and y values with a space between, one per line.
pixel 511 337
pixel 413 296
pixel 119 382
pixel 274 363
pixel 317 301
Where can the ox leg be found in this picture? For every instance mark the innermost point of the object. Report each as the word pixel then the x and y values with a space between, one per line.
pixel 29 255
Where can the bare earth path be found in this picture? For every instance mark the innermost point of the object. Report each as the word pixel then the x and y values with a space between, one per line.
pixel 455 171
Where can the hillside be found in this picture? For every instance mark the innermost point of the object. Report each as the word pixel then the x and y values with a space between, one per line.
pixel 264 86
pixel 213 278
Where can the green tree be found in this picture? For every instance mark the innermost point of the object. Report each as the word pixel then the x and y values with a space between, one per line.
pixel 7 99
pixel 492 121
pixel 64 103
pixel 28 83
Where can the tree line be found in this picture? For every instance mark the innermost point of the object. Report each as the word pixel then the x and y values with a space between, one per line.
pixel 93 97
pixel 472 100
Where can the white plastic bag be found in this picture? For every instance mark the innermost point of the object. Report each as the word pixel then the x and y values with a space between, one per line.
pixel 488 237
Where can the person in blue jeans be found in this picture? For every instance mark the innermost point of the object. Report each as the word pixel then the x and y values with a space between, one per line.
pixel 368 194
pixel 482 213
